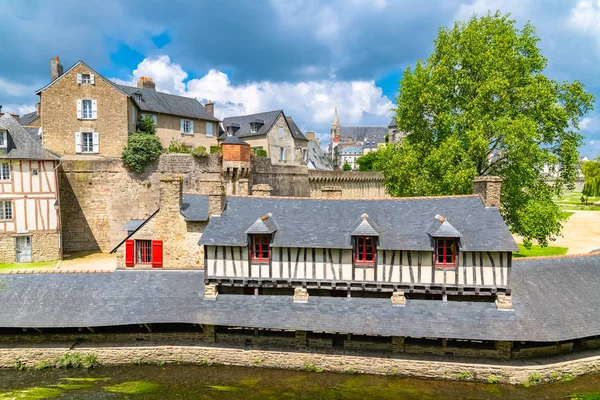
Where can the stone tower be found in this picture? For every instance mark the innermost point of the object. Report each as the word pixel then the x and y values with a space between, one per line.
pixel 336 130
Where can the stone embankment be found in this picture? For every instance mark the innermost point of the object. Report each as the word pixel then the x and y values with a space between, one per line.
pixel 509 372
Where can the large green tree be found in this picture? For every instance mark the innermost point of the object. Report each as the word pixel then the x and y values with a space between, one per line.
pixel 591 172
pixel 481 105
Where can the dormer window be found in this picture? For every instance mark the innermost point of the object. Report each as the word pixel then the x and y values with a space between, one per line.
pixel 230 131
pixel 261 248
pixel 138 96
pixel 445 252
pixel 254 127
pixel 364 250
pixel 3 139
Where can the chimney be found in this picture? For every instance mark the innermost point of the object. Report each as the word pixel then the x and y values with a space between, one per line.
pixel 312 136
pixel 56 69
pixel 261 190
pixel 210 108
pixel 170 195
pixel 146 83
pixel 488 188
pixel 331 192
pixel 38 108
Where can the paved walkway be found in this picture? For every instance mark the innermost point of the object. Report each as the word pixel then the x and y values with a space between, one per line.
pixel 86 262
pixel 581 232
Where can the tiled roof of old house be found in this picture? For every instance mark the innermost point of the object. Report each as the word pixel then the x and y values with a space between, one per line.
pixel 22 145
pixel 264 119
pixel 359 133
pixel 296 132
pixel 164 103
pixel 28 118
pixel 403 224
pixel 554 299
pixel 194 207
pixel 316 159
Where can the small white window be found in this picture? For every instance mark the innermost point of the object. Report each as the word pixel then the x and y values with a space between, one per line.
pixel 229 131
pixel 6 210
pixel 209 129
pixel 282 154
pixel 87 142
pixel 280 131
pixel 5 172
pixel 253 127
pixel 86 109
pixel 187 127
pixel 86 79
pixel 3 139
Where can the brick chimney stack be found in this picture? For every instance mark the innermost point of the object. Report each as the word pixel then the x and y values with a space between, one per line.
pixel 146 83
pixel 170 195
pixel 488 188
pixel 210 108
pixel 56 69
pixel 38 108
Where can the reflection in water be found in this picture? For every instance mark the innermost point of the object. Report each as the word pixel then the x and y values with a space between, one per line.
pixel 228 383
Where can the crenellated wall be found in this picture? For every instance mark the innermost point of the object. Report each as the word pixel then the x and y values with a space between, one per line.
pixel 354 184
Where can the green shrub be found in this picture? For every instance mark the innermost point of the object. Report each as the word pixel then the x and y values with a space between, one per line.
pixel 89 361
pixel 311 367
pixel 142 149
pixel 42 365
pixel 18 365
pixel 493 379
pixel 146 125
pixel 463 376
pixel 216 150
pixel 69 360
pixel 199 151
pixel 346 167
pixel 177 146
pixel 261 153
pixel 534 379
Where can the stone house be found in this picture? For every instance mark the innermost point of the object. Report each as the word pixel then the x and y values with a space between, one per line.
pixel 30 227
pixel 349 155
pixel 272 132
pixel 457 245
pixel 316 159
pixel 169 237
pixel 84 113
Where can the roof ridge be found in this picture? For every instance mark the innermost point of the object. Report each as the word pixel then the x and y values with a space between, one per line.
pixel 361 198
pixel 248 115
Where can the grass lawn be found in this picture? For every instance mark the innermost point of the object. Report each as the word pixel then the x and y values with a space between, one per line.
pixel 37 265
pixel 537 251
pixel 567 214
pixel 572 201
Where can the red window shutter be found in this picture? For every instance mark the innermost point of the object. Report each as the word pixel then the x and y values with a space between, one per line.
pixel 157 254
pixel 129 253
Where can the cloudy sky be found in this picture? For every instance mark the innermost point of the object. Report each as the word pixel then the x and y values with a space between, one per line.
pixel 258 55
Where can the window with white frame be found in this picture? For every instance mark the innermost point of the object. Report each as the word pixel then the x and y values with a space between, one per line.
pixel 6 211
pixel 280 131
pixel 3 139
pixel 253 127
pixel 5 172
pixel 86 109
pixel 87 142
pixel 187 127
pixel 209 129
pixel 86 79
pixel 230 131
pixel 282 154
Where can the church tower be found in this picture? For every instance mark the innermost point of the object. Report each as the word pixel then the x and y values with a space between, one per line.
pixel 336 130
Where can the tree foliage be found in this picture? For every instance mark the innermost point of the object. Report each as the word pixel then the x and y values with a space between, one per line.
pixel 481 105
pixel 143 147
pixel 368 161
pixel 346 167
pixel 591 172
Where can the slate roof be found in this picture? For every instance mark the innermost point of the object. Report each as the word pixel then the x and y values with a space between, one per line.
pixel 268 118
pixel 164 103
pixel 21 145
pixel 296 132
pixel 28 118
pixel 403 223
pixel 554 299
pixel 234 140
pixel 359 133
pixel 264 225
pixel 133 224
pixel 34 133
pixel 393 123
pixel 351 151
pixel 194 207
pixel 445 230
pixel 316 159
pixel 364 227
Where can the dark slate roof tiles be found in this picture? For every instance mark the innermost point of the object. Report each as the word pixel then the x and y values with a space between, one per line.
pixel 359 133
pixel 28 118
pixel 296 132
pixel 554 299
pixel 194 207
pixel 244 122
pixel 403 223
pixel 21 144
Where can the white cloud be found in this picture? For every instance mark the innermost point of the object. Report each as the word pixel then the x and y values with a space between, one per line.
pixel 16 89
pixel 590 124
pixel 310 103
pixel 20 109
pixel 584 18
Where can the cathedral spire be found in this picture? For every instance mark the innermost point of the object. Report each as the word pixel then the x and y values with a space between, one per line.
pixel 336 119
pixel 336 131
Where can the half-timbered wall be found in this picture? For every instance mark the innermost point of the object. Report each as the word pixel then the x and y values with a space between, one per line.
pixel 32 188
pixel 412 270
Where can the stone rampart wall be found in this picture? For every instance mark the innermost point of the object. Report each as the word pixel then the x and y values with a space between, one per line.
pixel 286 180
pixel 354 184
pixel 98 195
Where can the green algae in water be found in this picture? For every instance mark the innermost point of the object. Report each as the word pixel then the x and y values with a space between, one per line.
pixel 585 396
pixel 85 379
pixel 134 387
pixel 72 386
pixel 220 388
pixel 250 382
pixel 36 393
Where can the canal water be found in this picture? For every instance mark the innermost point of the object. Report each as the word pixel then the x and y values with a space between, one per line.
pixel 225 383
